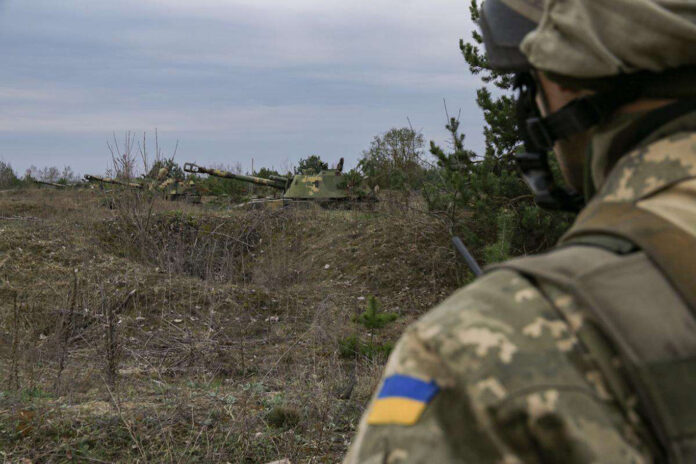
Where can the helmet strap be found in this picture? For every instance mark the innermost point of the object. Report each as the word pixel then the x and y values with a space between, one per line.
pixel 539 134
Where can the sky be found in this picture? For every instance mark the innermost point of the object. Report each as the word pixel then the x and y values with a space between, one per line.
pixel 230 80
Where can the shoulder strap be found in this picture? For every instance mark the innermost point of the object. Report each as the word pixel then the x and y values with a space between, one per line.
pixel 632 311
pixel 671 249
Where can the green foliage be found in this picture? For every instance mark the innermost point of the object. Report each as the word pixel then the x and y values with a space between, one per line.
pixel 351 346
pixel 311 165
pixel 352 181
pixel 231 187
pixel 283 417
pixel 8 178
pixel 236 189
pixel 483 196
pixel 33 393
pixel 371 318
pixel 394 160
pixel 266 173
pixel 500 249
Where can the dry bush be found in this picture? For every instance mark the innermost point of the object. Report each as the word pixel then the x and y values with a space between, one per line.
pixel 123 157
pixel 208 247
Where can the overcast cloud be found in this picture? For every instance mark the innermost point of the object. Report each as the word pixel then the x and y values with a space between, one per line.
pixel 275 80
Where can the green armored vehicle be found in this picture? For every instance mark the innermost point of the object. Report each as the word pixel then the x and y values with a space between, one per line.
pixel 327 187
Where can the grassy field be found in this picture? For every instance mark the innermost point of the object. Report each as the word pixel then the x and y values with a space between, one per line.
pixel 138 330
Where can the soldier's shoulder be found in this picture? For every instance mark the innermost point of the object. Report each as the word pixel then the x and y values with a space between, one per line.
pixel 503 326
pixel 651 168
pixel 497 298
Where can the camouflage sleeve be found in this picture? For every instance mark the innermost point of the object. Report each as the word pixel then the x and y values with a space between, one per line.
pixel 493 374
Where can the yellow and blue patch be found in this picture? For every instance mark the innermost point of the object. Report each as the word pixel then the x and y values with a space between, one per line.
pixel 401 400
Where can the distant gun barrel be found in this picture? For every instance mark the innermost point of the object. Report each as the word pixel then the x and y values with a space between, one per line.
pixel 52 184
pixel 108 180
pixel 279 178
pixel 276 183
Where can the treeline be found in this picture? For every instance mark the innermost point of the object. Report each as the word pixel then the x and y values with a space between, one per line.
pixel 9 179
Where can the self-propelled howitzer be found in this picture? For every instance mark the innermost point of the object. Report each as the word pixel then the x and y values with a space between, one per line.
pixel 330 186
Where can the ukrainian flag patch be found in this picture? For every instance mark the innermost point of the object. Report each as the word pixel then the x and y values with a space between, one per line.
pixel 401 400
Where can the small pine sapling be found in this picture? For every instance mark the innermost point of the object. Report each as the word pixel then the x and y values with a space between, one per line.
pixel 371 318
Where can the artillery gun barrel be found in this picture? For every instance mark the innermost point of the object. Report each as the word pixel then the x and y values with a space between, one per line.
pixel 279 178
pixel 274 183
pixel 107 180
pixel 52 184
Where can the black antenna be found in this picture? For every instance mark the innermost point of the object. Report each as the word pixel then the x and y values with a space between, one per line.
pixel 470 260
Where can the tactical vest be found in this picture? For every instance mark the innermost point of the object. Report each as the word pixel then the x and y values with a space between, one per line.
pixel 634 274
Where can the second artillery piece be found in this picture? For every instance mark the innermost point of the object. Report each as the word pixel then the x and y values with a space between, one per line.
pixel 327 187
pixel 50 184
pixel 173 189
pixel 108 180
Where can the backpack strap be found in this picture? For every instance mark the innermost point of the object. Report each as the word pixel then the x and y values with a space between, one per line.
pixel 672 249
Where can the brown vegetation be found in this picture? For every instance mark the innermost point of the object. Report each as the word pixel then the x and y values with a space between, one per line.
pixel 137 330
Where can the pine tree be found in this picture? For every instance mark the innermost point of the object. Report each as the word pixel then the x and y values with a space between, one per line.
pixel 371 318
pixel 484 197
pixel 311 165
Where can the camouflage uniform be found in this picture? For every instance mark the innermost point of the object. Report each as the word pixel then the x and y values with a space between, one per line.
pixel 511 368
pixel 515 384
pixel 524 366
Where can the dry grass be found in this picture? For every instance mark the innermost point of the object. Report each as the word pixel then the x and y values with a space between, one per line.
pixel 168 332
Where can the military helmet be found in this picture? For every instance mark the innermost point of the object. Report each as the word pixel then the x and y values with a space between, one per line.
pixel 504 25
pixel 594 42
pixel 622 49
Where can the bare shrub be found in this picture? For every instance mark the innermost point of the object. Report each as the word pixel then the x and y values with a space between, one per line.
pixel 205 246
pixel 13 379
pixel 151 166
pixel 65 330
pixel 123 158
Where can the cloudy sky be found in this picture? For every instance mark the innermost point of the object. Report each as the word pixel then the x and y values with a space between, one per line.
pixel 232 80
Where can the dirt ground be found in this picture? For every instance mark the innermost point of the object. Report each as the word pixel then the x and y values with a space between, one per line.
pixel 133 329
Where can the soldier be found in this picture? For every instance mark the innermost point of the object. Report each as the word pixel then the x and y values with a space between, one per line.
pixel 586 353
